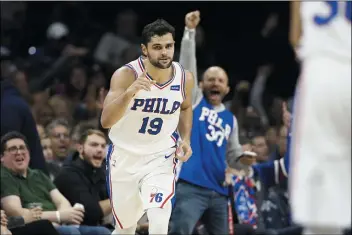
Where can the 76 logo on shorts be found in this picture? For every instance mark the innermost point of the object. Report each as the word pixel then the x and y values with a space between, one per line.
pixel 157 197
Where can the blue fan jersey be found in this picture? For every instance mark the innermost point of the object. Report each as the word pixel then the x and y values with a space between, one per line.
pixel 210 133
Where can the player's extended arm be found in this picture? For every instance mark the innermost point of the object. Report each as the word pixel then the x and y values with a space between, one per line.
pixel 188 52
pixel 295 24
pixel 186 115
pixel 118 97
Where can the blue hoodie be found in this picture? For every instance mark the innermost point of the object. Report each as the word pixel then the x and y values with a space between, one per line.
pixel 17 116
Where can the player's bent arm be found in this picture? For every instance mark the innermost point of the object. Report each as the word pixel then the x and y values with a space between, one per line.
pixel 295 23
pixel 118 98
pixel 186 115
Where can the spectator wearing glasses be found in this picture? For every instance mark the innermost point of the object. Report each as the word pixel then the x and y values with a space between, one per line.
pixel 23 186
pixel 59 132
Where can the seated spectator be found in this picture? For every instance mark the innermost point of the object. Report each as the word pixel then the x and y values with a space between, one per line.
pixel 112 45
pixel 258 192
pixel 44 114
pixel 52 167
pixel 87 172
pixel 59 132
pixel 41 131
pixel 260 147
pixel 23 186
pixel 76 134
pixel 279 148
pixel 246 186
pixel 271 136
pixel 47 150
pixel 40 97
pixel 61 107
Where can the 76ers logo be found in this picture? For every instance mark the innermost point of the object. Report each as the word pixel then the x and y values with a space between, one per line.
pixel 157 197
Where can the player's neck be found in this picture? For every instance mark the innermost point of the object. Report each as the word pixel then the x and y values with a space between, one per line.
pixel 159 75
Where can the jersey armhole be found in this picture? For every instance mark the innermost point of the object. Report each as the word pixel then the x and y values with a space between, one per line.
pixel 134 71
pixel 183 82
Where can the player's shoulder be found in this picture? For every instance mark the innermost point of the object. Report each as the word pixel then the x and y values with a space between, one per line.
pixel 122 77
pixel 124 72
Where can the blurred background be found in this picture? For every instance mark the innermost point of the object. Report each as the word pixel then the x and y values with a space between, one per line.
pixel 236 35
pixel 72 48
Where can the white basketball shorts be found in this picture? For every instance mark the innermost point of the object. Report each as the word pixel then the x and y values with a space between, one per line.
pixel 320 182
pixel 137 183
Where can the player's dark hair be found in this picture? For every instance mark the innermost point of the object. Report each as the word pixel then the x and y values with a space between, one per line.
pixel 10 136
pixel 159 27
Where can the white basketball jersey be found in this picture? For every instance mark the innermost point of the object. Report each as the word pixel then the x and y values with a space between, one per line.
pixel 326 29
pixel 151 118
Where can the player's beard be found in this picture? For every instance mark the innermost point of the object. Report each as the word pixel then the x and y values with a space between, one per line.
pixel 156 63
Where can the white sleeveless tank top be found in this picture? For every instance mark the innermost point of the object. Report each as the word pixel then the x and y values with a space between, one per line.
pixel 326 29
pixel 151 118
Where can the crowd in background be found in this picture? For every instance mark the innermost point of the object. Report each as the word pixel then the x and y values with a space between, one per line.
pixel 52 98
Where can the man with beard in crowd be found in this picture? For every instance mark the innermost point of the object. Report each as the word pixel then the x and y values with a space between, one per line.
pixel 87 172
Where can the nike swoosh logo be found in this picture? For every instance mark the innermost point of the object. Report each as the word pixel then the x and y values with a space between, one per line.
pixel 167 156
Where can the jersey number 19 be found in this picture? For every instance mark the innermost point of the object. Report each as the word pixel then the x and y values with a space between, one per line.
pixel 154 126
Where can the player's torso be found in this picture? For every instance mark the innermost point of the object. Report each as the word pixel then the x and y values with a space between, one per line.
pixel 326 29
pixel 151 118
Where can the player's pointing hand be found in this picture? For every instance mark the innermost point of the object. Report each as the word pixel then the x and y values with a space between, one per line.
pixel 141 83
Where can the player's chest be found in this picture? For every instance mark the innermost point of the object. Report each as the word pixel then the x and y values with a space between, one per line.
pixel 156 101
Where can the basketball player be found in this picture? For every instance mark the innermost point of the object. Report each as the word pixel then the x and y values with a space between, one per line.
pixel 320 176
pixel 149 99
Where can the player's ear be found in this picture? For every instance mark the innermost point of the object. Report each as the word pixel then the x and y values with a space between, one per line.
pixel 144 50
